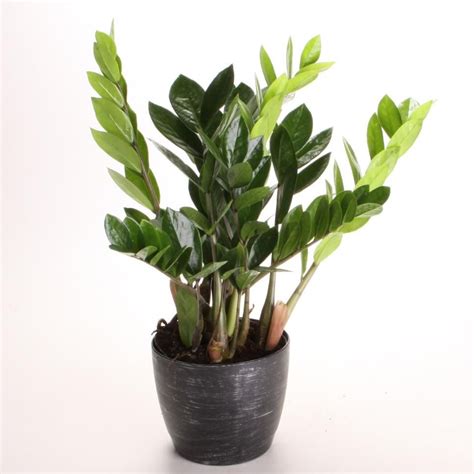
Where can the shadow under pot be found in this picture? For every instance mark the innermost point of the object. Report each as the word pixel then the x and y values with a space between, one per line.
pixel 221 414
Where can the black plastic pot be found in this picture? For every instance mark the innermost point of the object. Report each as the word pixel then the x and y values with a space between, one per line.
pixel 222 414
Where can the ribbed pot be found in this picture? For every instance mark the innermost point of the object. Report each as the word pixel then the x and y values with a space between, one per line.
pixel 222 414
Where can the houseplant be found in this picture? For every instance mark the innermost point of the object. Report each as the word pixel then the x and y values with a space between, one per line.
pixel 220 375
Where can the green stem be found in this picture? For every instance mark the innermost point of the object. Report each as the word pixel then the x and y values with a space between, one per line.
pixel 300 288
pixel 266 315
pixel 244 328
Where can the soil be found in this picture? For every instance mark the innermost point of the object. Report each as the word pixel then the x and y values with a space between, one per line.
pixel 167 342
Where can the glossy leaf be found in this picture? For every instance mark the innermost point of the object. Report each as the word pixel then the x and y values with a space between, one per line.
pixel 338 182
pixel 154 236
pixel 405 136
pixel 113 119
pixel 335 212
pixel 329 191
pixel 135 214
pixel 172 128
pixel 236 141
pixel 315 146
pixel 187 307
pixel 105 53
pixel 421 112
pixel 245 114
pixel 311 51
pixel 319 211
pixel 146 253
pixel 377 196
pixel 299 125
pixel 327 246
pixel 158 257
pixel 348 203
pixel 311 173
pixel 199 220
pixel 375 141
pixel 389 115
pixel 354 225
pixel 131 189
pixel 239 175
pixel 245 279
pixel 306 75
pixel 183 167
pixel 368 210
pixel 217 93
pixel 253 228
pixel 105 88
pixel 380 168
pixel 135 234
pixel 252 196
pixel 262 247
pixel 117 233
pixel 207 270
pixel 139 182
pixel 267 66
pixel 186 98
pixel 118 149
pixel 354 164
pixel 406 108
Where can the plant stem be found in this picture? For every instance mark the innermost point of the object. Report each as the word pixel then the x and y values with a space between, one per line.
pixel 300 288
pixel 235 334
pixel 267 309
pixel 244 328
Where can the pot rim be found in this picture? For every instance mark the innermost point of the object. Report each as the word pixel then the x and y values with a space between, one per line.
pixel 222 364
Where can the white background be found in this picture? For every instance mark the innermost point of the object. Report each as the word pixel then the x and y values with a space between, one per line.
pixel 380 376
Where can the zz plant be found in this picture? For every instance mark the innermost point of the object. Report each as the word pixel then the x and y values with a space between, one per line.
pixel 239 160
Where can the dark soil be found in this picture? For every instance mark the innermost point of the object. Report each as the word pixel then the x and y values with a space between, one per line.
pixel 167 342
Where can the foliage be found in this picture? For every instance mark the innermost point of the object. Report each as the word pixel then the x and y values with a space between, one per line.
pixel 232 141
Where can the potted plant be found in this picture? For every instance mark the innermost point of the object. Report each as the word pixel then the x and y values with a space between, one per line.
pixel 220 375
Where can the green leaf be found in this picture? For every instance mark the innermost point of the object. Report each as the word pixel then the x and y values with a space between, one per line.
pixel 368 210
pixel 311 173
pixel 255 152
pixel 146 252
pixel 236 141
pixel 258 93
pixel 182 230
pixel 262 247
pixel 239 175
pixel 405 136
pixel 315 146
pixel 135 234
pixel 335 212
pixel 207 173
pixel 319 212
pixel 267 66
pixel 327 246
pixel 245 279
pixel 389 115
pixel 154 236
pixel 252 196
pixel 139 182
pixel 135 214
pixel 253 228
pixel 377 196
pixel 217 93
pixel 338 182
pixel 289 57
pixel 183 167
pixel 118 149
pixel 355 168
pixel 117 233
pixel 306 76
pixel 246 114
pixel 299 125
pixel 199 220
pixel 186 98
pixel 421 112
pixel 207 270
pixel 105 88
pixel 175 130
pixel 212 147
pixel 374 136
pixel 380 168
pixel 361 192
pixel 288 242
pixel 329 191
pixel 284 163
pixel 268 118
pixel 311 51
pixel 113 119
pixel 354 225
pixel 159 256
pixel 406 108
pixel 187 307
pixel 105 54
pixel 305 229
pixel 131 189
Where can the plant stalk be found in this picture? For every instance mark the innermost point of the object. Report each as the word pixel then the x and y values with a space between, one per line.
pixel 245 326
pixel 300 288
pixel 266 315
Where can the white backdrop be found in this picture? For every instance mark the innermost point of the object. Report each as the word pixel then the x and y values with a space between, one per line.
pixel 380 376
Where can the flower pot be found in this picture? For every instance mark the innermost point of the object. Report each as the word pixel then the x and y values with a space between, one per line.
pixel 226 413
